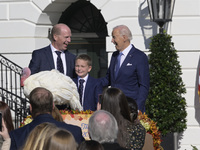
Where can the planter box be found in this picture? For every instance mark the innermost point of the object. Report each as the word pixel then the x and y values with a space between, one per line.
pixel 169 142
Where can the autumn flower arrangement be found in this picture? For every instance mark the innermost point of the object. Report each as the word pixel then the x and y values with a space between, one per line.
pixel 151 128
pixel 65 112
pixel 26 121
pixel 29 118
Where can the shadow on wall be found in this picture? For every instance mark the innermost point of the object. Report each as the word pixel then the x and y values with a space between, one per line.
pixel 146 25
pixel 196 97
pixel 179 139
pixel 52 12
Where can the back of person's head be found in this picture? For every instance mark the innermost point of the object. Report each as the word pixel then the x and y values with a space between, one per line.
pixel 61 140
pixel 133 108
pixel 90 145
pixel 38 137
pixel 103 127
pixel 41 101
pixel 115 102
pixel 6 115
pixel 85 57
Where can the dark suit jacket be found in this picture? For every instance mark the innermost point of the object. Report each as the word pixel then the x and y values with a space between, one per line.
pixel 133 76
pixel 42 60
pixel 19 136
pixel 91 95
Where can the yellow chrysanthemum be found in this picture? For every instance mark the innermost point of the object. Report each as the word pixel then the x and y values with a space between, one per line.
pixel 151 128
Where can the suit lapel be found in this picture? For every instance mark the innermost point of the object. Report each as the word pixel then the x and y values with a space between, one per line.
pixel 67 61
pixel 87 87
pixel 76 82
pixel 49 56
pixel 127 60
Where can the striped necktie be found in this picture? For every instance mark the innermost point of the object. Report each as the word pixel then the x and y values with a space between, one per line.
pixel 80 89
pixel 59 62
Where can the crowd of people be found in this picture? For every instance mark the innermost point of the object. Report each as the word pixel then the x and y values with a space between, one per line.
pixel 110 127
pixel 115 99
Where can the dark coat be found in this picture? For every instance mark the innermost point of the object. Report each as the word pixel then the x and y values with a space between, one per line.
pixel 19 136
pixel 133 76
pixel 42 60
pixel 92 91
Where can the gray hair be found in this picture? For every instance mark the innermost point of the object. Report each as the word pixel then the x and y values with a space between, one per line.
pixel 103 127
pixel 124 30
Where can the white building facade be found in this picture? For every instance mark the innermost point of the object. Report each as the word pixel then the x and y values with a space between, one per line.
pixel 24 26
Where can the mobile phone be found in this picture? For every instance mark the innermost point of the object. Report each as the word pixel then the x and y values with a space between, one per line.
pixel 0 121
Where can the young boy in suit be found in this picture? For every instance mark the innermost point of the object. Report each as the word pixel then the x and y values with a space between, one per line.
pixel 89 88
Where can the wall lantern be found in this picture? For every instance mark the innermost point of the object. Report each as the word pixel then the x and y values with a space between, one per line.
pixel 161 11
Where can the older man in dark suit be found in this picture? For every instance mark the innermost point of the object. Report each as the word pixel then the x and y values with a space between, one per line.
pixel 41 105
pixel 129 68
pixel 55 56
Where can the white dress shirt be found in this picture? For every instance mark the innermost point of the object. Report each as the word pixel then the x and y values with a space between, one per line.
pixel 62 55
pixel 125 53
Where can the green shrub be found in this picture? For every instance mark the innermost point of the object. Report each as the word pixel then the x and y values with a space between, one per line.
pixel 166 104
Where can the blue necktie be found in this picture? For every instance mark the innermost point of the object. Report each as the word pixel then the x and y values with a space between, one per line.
pixel 59 62
pixel 117 66
pixel 80 89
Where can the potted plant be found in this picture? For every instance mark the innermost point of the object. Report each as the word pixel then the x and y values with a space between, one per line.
pixel 165 103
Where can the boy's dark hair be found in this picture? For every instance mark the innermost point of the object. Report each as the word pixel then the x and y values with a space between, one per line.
pixel 86 58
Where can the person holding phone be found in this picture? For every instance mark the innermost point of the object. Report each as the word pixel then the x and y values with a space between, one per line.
pixel 5 135
pixel 6 116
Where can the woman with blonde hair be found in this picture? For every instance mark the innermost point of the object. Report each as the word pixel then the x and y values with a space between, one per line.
pixel 61 140
pixel 39 135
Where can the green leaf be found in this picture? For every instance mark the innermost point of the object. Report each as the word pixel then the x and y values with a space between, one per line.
pixel 165 103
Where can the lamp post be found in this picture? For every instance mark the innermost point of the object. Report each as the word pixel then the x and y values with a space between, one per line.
pixel 161 11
